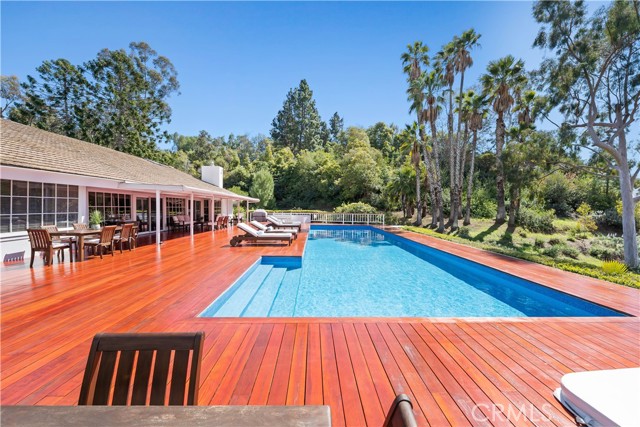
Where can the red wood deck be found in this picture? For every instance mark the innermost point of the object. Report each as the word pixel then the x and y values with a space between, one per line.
pixel 457 371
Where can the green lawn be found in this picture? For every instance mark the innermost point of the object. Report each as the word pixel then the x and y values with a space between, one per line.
pixel 560 249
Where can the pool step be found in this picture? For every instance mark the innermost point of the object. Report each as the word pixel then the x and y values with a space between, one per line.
pixel 261 302
pixel 237 302
pixel 285 302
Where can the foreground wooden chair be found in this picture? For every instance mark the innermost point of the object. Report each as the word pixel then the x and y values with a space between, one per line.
pixel 174 358
pixel 105 241
pixel 40 240
pixel 401 413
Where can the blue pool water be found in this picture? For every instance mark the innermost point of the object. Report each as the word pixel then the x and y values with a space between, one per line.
pixel 365 272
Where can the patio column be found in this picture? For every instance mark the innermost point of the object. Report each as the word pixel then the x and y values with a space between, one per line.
pixel 191 217
pixel 158 225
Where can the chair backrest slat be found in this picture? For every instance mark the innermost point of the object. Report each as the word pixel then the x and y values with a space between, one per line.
pixel 179 377
pixel 123 377
pixel 141 381
pixel 149 353
pixel 105 376
pixel 160 376
pixel 80 226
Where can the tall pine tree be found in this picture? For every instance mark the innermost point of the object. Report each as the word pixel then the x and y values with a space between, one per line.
pixel 298 124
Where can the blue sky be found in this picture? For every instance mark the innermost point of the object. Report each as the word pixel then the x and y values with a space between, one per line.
pixel 237 61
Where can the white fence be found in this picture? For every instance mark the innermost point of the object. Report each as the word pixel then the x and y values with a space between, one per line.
pixel 347 218
pixel 334 218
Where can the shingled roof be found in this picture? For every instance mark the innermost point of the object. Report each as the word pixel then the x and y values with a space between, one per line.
pixel 32 148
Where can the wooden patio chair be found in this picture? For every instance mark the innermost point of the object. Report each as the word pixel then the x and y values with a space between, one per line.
pixel 124 363
pixel 40 240
pixel 225 221
pixel 64 239
pixel 219 222
pixel 105 240
pixel 255 236
pixel 126 235
pixel 80 226
pixel 401 413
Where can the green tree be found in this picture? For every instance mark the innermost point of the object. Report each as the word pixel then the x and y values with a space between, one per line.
pixel 55 101
pixel 594 79
pixel 362 175
pixel 462 60
pixel 298 125
pixel 382 137
pixel 336 127
pixel 413 60
pixel 262 188
pixel 10 93
pixel 501 86
pixel 477 107
pixel 129 97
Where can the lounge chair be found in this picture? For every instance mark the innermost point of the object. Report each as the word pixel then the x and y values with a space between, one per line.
pixel 278 223
pixel 266 229
pixel 253 235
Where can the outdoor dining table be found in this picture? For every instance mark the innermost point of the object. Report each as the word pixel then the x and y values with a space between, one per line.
pixel 80 234
pixel 195 416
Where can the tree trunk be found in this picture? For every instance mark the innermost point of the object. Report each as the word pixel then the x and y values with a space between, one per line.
pixel 467 215
pixel 418 202
pixel 452 150
pixel 514 205
pixel 463 162
pixel 500 132
pixel 628 218
pixel 438 178
pixel 432 191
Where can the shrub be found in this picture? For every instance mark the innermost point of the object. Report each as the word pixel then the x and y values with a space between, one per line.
pixel 538 243
pixel 553 251
pixel 482 205
pixel 607 248
pixel 555 241
pixel 614 267
pixel 464 232
pixel 570 252
pixel 358 207
pixel 585 223
pixel 536 221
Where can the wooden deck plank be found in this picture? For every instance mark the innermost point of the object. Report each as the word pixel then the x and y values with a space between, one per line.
pixel 451 368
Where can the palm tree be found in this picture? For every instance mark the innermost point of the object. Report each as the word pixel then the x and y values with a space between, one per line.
pixel 461 60
pixel 413 60
pixel 411 144
pixel 476 104
pixel 502 82
pixel 433 83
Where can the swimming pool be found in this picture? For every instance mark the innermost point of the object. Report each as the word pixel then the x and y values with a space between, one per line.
pixel 365 272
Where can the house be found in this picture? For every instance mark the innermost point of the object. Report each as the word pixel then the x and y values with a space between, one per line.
pixel 53 179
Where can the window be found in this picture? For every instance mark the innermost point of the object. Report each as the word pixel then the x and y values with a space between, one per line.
pixel 26 204
pixel 114 206
pixel 217 207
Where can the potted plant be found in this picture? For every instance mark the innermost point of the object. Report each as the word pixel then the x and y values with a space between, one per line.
pixel 95 219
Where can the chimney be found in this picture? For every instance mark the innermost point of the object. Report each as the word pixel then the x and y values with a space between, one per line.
pixel 212 174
